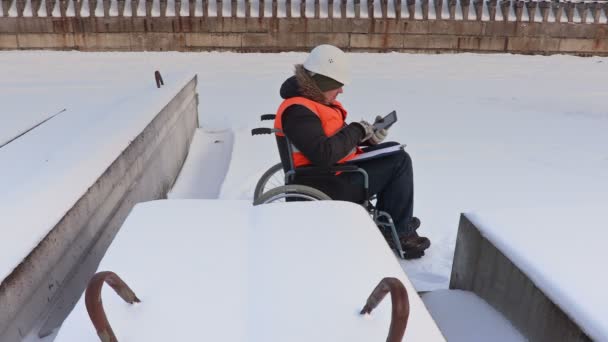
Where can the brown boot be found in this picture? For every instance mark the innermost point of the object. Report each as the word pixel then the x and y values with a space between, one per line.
pixel 413 241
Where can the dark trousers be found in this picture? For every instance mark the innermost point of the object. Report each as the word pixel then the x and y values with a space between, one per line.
pixel 391 179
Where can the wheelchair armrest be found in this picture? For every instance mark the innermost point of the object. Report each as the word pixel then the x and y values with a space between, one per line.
pixel 262 130
pixel 267 117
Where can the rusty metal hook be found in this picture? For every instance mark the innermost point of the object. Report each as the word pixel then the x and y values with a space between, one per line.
pixel 400 303
pixel 158 78
pixel 92 299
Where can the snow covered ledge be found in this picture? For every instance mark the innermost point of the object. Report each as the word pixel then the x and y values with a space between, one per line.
pixel 491 261
pixel 132 154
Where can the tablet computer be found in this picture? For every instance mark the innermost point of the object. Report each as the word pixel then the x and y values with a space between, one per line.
pixel 386 121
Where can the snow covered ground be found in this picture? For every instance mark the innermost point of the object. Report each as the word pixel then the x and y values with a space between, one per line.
pixel 487 133
pixel 235 273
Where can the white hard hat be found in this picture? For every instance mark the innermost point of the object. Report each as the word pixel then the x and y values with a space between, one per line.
pixel 329 61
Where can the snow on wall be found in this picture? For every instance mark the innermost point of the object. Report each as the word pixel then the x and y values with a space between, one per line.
pixel 52 166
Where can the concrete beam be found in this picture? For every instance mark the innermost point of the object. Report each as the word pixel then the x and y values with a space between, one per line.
pixel 481 268
pixel 47 284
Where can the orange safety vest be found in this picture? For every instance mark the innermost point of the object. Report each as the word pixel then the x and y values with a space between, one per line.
pixel 332 120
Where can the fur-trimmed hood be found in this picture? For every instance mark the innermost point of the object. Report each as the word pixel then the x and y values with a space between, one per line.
pixel 301 84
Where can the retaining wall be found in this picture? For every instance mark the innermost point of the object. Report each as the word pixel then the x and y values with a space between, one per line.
pixel 517 26
pixel 481 268
pixel 43 289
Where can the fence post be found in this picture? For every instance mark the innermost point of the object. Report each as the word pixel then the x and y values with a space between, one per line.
pixel 163 8
pixel 20 4
pixel 492 9
pixel 370 9
pixel 317 9
pixel 424 4
pixel 464 5
pixel 149 4
pixel 570 11
pixel 544 10
pixel 582 11
pixel 178 8
pixel 36 7
pixel 558 9
pixel 505 6
pixel 478 4
pixel 438 8
pixel 411 8
pixel 343 8
pixel 519 9
pixel 531 6
pixel 452 9
pixel 330 9
pixel 49 7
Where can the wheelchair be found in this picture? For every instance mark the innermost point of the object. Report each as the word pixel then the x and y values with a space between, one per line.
pixel 277 185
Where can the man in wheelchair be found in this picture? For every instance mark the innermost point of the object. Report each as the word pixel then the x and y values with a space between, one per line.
pixel 314 122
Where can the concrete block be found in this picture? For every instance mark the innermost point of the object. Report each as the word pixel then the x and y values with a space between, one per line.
pixel 233 25
pixel 107 41
pixel 299 25
pixel 416 26
pixel 376 41
pixel 30 25
pixel 9 25
pixel 45 41
pixel 498 28
pixel 582 45
pixel 158 41
pixel 341 40
pixel 479 265
pixel 210 40
pixel 8 41
pixel 493 44
pixel 385 26
pixel 533 44
pixel 139 24
pixel 588 31
pixel 258 25
pixel 115 24
pixel 341 25
pixel 161 24
pixel 455 27
pixel 255 41
pixel 360 25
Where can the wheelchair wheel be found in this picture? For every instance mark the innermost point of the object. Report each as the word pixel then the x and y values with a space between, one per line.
pixel 272 178
pixel 291 192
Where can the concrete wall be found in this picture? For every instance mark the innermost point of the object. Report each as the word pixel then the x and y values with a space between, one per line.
pixel 481 268
pixel 43 289
pixel 400 25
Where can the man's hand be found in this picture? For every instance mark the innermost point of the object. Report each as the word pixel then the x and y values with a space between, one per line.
pixel 368 130
pixel 378 135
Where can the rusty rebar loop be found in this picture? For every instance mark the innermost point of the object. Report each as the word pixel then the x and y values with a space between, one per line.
pixel 400 303
pixel 92 299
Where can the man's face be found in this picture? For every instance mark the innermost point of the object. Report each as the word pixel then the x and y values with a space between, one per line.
pixel 331 95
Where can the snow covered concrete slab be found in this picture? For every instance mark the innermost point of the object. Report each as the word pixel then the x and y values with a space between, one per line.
pixel 560 250
pixel 223 270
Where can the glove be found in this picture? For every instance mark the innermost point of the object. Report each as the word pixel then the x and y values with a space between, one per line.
pixel 378 135
pixel 368 129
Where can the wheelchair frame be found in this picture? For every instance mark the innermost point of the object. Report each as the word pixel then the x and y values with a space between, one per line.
pixel 297 191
